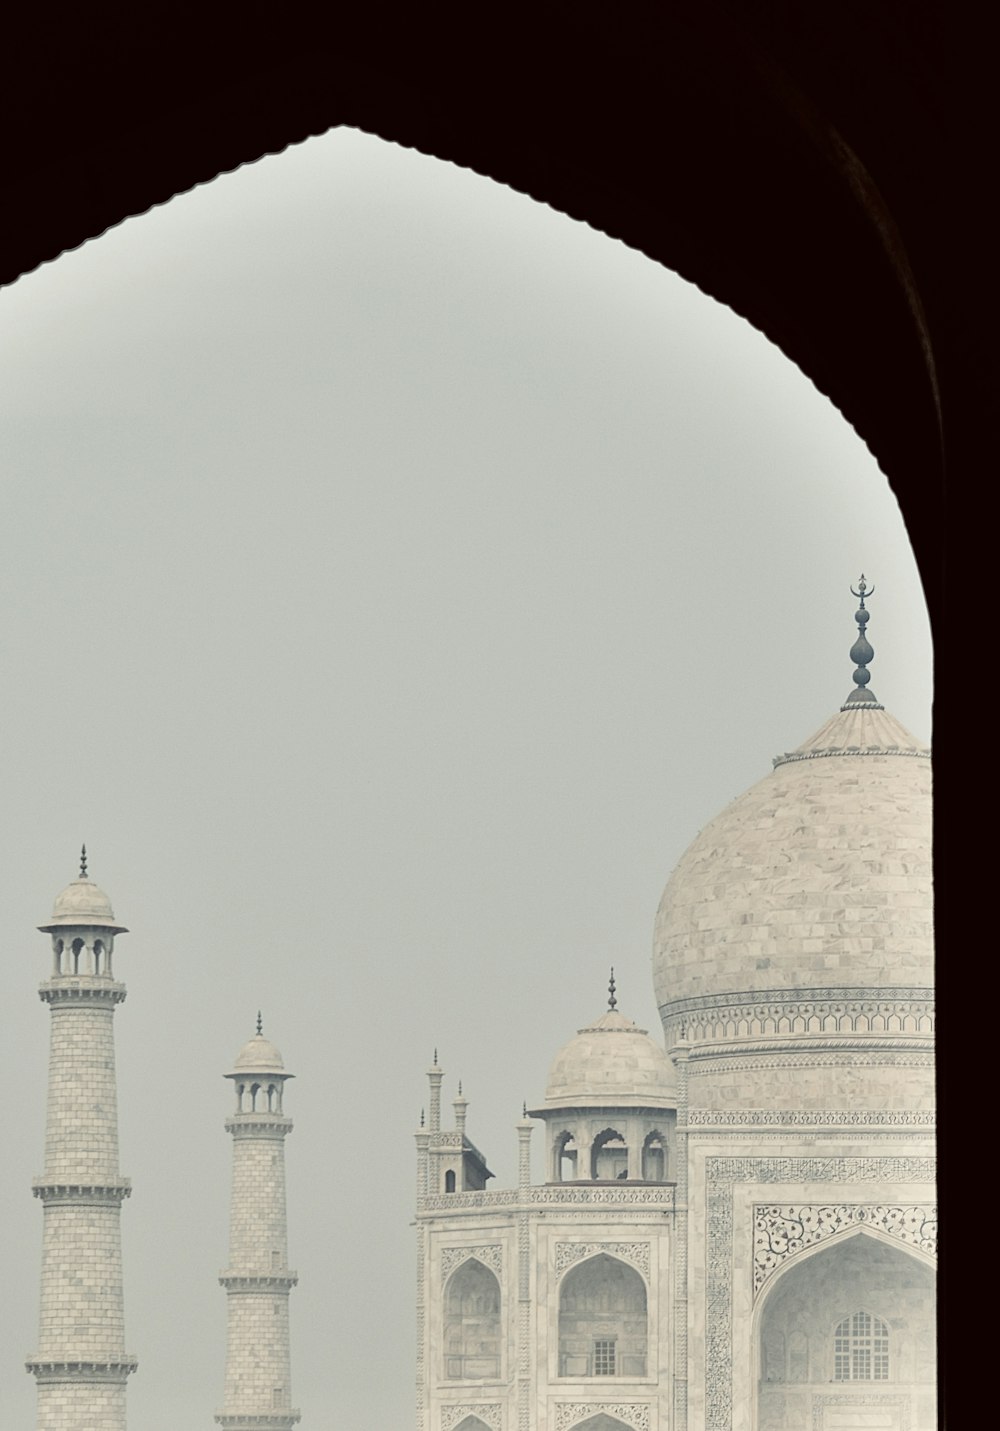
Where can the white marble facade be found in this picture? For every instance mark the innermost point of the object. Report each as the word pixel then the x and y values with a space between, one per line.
pixel 750 1223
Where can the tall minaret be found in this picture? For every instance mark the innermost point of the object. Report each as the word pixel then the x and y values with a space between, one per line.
pixel 257 1280
pixel 81 1365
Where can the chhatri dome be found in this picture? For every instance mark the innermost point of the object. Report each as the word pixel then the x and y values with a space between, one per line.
pixel 818 877
pixel 612 1063
pixel 258 1055
pixel 83 904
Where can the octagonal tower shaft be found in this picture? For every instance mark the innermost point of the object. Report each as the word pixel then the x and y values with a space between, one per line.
pixel 258 1393
pixel 81 1365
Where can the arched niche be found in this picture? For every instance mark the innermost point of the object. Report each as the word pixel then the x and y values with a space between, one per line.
pixel 472 1423
pixel 878 1290
pixel 603 1324
pixel 472 1328
pixel 566 1157
pixel 608 1156
pixel 601 1422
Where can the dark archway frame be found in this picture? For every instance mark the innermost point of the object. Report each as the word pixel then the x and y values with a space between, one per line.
pixel 827 171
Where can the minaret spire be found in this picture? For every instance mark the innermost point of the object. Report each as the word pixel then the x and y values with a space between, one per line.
pixel 81 1365
pixel 862 653
pixel 257 1280
pixel 612 1001
pixel 83 862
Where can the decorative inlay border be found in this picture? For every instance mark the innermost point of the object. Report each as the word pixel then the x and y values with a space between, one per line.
pixel 490 1255
pixel 633 1413
pixel 722 1175
pixel 704 1061
pixel 866 1399
pixel 490 1411
pixel 832 750
pixel 780 1232
pixel 789 1012
pixel 660 1195
pixel 808 1118
pixel 569 1253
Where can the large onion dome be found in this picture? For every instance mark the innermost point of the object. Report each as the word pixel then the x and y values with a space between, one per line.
pixel 816 880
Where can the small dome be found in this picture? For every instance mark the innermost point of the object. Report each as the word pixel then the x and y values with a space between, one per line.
pixel 259 1055
pixel 83 903
pixel 612 1063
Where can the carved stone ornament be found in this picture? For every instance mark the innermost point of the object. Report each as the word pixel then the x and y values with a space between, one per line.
pixel 490 1256
pixel 569 1253
pixel 863 1400
pixel 780 1232
pixel 632 1413
pixel 808 1118
pixel 722 1175
pixel 490 1413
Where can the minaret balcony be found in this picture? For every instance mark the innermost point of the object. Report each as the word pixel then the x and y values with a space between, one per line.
pixel 258 1282
pixel 82 1194
pixel 81 988
pixel 266 1421
pixel 258 1125
pixel 49 1372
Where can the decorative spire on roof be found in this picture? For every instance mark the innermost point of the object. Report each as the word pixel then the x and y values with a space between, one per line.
pixel 260 1024
pixel 83 862
pixel 862 653
pixel 612 1001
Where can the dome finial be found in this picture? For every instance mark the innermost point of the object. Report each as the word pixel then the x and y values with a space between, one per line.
pixel 612 1001
pixel 861 652
pixel 260 1024
pixel 83 861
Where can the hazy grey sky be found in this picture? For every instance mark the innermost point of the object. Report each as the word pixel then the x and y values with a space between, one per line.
pixel 396 576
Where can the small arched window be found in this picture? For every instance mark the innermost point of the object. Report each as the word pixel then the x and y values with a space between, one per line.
pixel 654 1158
pixel 567 1167
pixel 861 1349
pixel 449 1181
pixel 609 1156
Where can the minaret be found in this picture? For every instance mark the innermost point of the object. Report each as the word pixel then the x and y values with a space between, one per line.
pixel 257 1280
pixel 81 1365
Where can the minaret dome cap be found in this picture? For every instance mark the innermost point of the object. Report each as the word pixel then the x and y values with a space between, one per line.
pixel 258 1055
pixel 83 904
